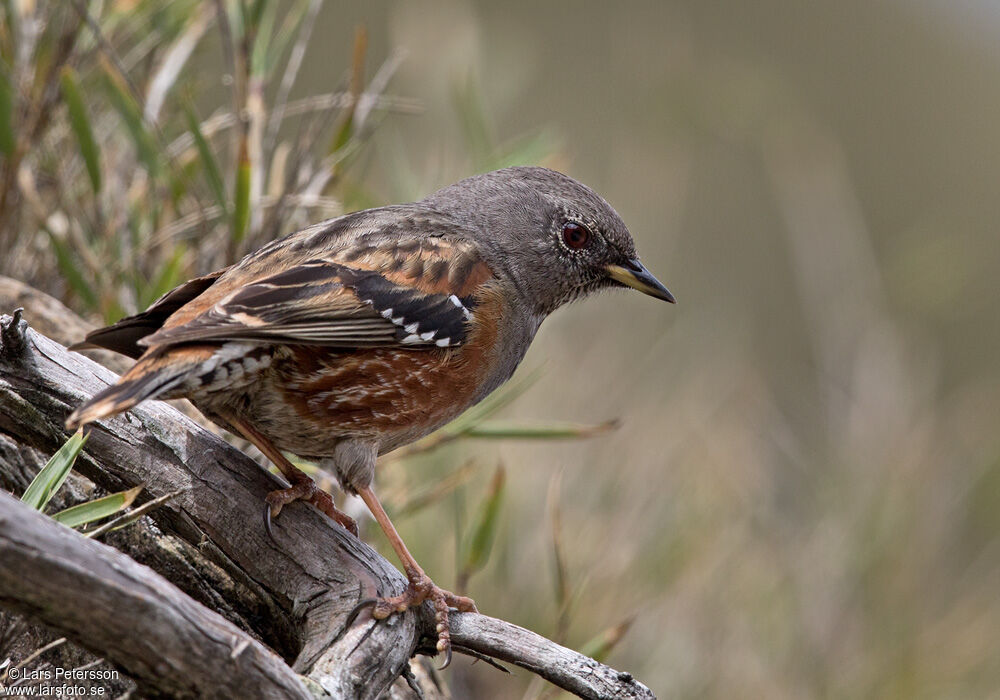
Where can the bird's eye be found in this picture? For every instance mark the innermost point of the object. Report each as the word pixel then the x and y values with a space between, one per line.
pixel 575 235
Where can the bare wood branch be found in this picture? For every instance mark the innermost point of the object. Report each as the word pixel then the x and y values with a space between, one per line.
pixel 110 604
pixel 563 667
pixel 303 586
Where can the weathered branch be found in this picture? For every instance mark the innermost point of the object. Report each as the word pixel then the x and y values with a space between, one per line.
pixel 295 593
pixel 563 667
pixel 167 642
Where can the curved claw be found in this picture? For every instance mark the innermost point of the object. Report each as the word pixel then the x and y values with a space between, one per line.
pixel 447 658
pixel 356 610
pixel 267 520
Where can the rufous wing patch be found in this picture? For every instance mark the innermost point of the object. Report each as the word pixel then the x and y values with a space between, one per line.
pixel 434 265
pixel 322 302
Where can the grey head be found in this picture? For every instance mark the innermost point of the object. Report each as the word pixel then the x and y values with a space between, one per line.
pixel 553 238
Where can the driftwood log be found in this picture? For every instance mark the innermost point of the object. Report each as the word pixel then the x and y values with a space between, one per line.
pixel 249 616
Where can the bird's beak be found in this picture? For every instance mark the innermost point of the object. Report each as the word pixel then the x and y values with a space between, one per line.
pixel 635 275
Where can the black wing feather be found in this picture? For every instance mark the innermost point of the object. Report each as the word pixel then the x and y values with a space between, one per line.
pixel 326 303
pixel 126 335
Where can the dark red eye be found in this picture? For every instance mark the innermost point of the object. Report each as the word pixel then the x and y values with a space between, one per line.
pixel 576 235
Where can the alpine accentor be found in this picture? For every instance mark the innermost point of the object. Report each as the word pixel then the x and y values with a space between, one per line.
pixel 357 335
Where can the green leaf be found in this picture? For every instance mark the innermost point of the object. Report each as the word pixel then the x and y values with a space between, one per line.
pixel 98 509
pixel 241 212
pixel 256 12
pixel 7 139
pixel 212 172
pixel 80 124
pixel 483 535
pixel 131 115
pixel 343 139
pixel 263 30
pixel 543 431
pixel 54 473
pixel 127 519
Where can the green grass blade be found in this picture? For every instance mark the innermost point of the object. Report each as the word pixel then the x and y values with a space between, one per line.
pixel 484 534
pixel 241 211
pixel 80 124
pixel 131 115
pixel 7 139
pixel 126 519
pixel 98 509
pixel 491 404
pixel 542 431
pixel 256 13
pixel 54 473
pixel 561 579
pixel 281 38
pixel 263 34
pixel 211 165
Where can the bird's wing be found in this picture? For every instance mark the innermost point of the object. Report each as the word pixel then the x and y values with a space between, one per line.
pixel 381 289
pixel 124 336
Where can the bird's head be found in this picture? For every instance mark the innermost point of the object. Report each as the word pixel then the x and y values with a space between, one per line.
pixel 553 237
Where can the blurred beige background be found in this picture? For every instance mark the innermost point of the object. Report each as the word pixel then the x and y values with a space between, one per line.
pixel 804 497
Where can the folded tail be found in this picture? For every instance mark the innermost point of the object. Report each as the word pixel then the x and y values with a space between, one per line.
pixel 156 375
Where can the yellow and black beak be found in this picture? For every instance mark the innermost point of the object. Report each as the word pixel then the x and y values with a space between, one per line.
pixel 635 275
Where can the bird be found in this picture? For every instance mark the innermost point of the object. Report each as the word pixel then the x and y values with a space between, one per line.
pixel 357 335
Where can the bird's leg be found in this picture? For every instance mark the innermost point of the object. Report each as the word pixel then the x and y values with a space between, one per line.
pixel 420 588
pixel 302 486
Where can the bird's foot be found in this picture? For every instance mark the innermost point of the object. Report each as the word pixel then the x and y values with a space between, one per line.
pixel 305 490
pixel 421 588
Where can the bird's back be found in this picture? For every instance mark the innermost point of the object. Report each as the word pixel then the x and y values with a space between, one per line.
pixel 381 323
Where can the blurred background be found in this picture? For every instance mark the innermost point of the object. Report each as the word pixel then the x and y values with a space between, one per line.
pixel 802 497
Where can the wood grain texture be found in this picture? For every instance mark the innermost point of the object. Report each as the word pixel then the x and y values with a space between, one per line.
pixel 301 588
pixel 171 645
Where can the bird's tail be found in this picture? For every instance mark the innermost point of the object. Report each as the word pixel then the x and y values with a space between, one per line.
pixel 155 375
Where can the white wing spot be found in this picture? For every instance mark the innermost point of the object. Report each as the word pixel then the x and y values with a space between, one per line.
pixel 443 342
pixel 428 335
pixel 458 302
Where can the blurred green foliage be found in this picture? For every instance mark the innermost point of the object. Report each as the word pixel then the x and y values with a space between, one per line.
pixel 801 499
